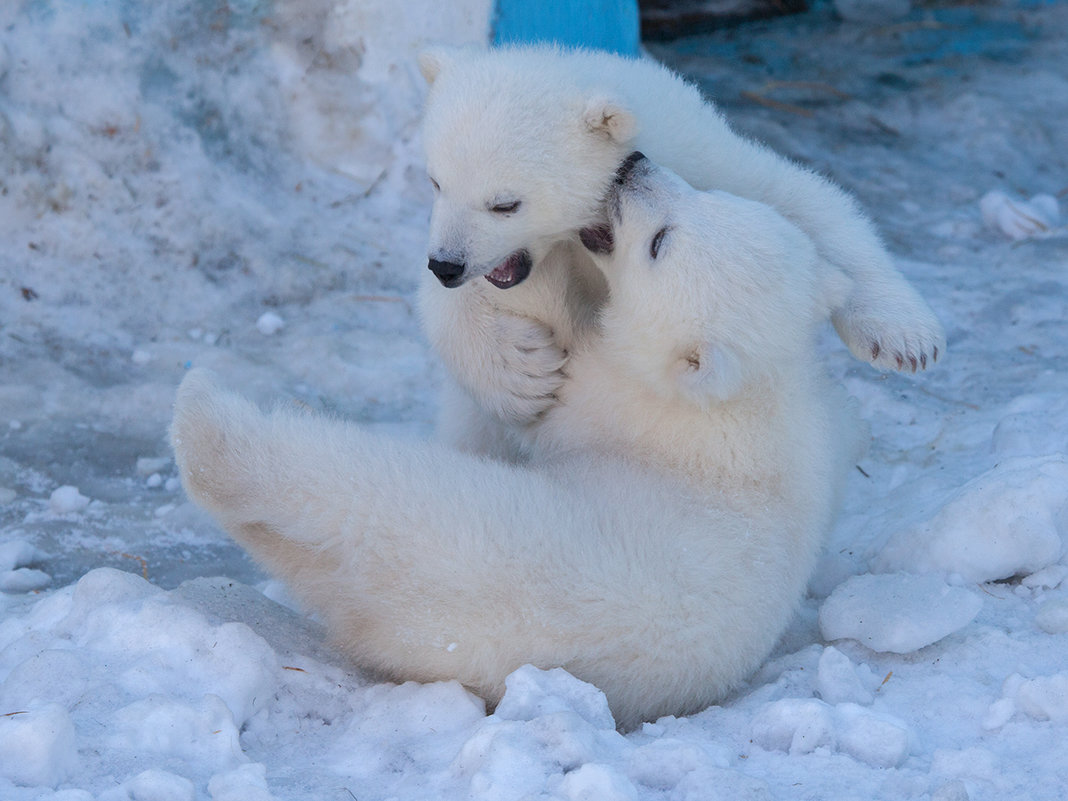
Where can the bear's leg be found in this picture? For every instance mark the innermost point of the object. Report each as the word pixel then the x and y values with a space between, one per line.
pixel 885 322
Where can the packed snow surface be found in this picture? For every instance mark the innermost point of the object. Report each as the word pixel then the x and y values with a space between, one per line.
pixel 238 185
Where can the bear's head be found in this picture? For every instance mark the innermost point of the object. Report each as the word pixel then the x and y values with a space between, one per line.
pixel 518 161
pixel 708 291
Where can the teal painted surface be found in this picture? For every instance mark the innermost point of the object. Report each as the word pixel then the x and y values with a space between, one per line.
pixel 603 24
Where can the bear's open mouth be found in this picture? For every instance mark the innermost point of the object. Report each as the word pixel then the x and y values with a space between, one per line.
pixel 512 271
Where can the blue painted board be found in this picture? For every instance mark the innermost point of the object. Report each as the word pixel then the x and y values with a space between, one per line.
pixel 611 25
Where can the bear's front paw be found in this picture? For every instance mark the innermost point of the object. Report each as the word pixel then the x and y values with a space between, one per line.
pixel 903 336
pixel 527 370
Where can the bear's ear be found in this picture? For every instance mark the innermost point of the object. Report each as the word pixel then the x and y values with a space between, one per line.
pixel 711 373
pixel 609 118
pixel 432 61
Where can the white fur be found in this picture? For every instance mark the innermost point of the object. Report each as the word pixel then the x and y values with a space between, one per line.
pixel 549 128
pixel 665 529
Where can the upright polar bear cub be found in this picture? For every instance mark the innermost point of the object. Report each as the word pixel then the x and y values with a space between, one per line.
pixel 664 530
pixel 521 146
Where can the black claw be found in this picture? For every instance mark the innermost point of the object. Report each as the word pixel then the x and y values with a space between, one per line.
pixel 935 356
pixel 912 361
pixel 923 360
pixel 875 351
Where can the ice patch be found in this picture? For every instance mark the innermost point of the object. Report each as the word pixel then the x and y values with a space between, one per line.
pixel 872 11
pixel 898 612
pixel 1007 522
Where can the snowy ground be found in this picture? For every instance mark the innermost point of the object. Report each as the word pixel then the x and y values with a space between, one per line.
pixel 170 173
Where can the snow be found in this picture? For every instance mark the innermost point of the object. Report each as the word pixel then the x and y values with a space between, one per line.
pixel 1010 521
pixel 897 612
pixel 1019 219
pixel 67 499
pixel 173 173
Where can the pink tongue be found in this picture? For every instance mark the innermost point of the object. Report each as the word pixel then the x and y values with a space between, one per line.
pixel 503 273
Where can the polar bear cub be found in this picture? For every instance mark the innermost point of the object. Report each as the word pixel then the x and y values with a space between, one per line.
pixel 521 146
pixel 663 532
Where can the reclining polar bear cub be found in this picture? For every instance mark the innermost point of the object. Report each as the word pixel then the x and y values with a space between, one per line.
pixel 663 533
pixel 521 145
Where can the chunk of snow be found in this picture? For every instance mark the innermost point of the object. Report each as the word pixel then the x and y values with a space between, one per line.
pixel 837 680
pixel 881 741
pixel 593 782
pixel 794 725
pixel 18 553
pixel 269 323
pixel 244 783
pixel 801 725
pixel 1052 616
pixel 148 465
pixel 153 784
pixel 67 499
pixel 531 693
pixel 38 746
pixel 1045 697
pixel 897 612
pixel 1007 522
pixel 23 579
pixel 203 731
pixel 1019 219
pixel 1047 578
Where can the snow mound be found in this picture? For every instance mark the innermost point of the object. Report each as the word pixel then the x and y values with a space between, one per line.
pixel 1009 521
pixel 898 612
pixel 150 676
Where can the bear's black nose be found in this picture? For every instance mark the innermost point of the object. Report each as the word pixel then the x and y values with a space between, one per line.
pixel 628 165
pixel 448 272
